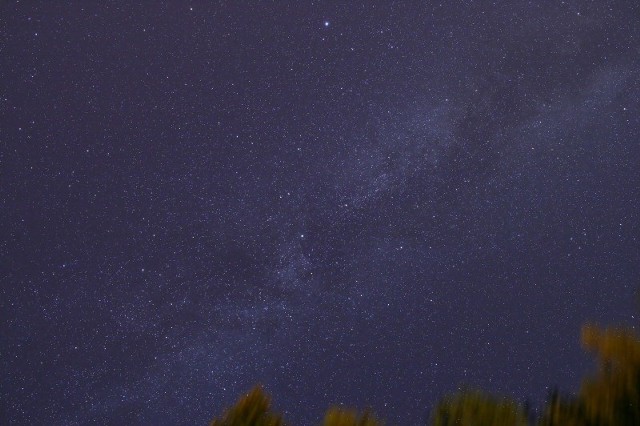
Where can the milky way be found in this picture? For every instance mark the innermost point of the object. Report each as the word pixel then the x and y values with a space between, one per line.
pixel 368 204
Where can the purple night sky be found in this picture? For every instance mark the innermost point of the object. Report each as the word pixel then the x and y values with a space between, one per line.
pixel 369 203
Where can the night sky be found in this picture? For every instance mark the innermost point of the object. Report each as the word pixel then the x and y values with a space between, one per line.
pixel 371 204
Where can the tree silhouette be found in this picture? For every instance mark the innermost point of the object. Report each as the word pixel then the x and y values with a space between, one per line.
pixel 563 410
pixel 253 409
pixel 478 409
pixel 344 417
pixel 611 397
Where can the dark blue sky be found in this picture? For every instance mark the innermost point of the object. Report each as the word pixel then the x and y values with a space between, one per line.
pixel 370 204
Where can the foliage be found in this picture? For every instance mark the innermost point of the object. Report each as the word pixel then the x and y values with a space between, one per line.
pixel 609 398
pixel 563 411
pixel 252 409
pixel 343 417
pixel 612 396
pixel 478 409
